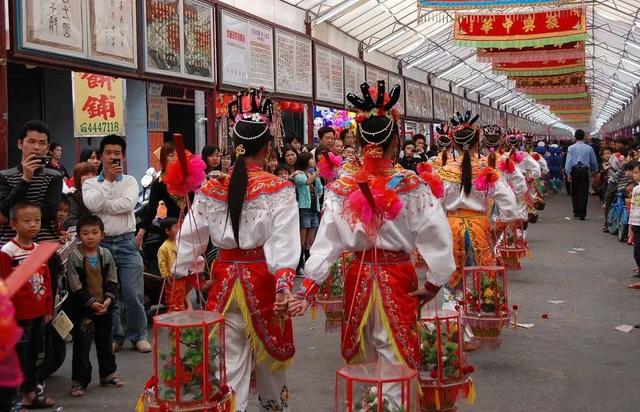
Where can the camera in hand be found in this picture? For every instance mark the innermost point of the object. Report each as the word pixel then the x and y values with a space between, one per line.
pixel 44 160
pixel 115 162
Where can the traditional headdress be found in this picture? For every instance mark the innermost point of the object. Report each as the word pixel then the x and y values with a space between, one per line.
pixel 375 104
pixel 444 135
pixel 255 107
pixel 491 136
pixel 464 129
pixel 514 137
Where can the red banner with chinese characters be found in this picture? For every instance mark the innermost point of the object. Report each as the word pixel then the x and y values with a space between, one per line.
pixel 540 68
pixel 520 29
pixel 98 105
pixel 566 102
pixel 552 89
pixel 572 79
pixel 571 50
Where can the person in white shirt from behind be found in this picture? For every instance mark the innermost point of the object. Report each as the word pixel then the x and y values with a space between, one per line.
pixel 112 196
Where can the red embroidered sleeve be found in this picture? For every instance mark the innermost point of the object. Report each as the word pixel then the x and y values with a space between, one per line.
pixel 284 279
pixel 308 290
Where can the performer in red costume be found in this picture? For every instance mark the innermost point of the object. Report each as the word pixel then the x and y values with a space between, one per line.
pixel 252 217
pixel 382 215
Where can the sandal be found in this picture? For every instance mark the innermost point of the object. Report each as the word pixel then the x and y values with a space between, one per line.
pixel 112 383
pixel 39 402
pixel 77 390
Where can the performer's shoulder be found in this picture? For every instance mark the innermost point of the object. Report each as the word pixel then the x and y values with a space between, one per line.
pixel 410 181
pixel 343 186
pixel 259 184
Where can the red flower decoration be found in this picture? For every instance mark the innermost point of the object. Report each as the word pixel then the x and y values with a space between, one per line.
pixel 515 307
pixel 545 316
pixel 486 179
pixel 507 167
pixel 361 117
pixel 536 156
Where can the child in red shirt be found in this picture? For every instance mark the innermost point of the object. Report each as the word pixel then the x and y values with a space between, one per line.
pixel 33 302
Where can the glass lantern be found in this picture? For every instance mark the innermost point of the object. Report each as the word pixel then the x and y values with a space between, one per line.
pixel 511 246
pixel 330 297
pixel 485 307
pixel 189 368
pixel 376 387
pixel 444 372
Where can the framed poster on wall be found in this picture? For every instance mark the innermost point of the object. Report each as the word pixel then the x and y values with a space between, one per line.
pixel 354 76
pixel 293 64
pixel 179 38
pixel 442 104
pixel 412 94
pixel 399 80
pixel 374 74
pixel 262 70
pixel 56 26
pixel 113 29
pixel 329 75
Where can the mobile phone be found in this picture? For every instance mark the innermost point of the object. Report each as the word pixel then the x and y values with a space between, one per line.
pixel 44 160
pixel 115 162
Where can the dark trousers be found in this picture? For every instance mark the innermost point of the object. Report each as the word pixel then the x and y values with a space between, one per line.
pixel 636 244
pixel 580 190
pixel 30 350
pixel 609 197
pixel 7 395
pixel 87 330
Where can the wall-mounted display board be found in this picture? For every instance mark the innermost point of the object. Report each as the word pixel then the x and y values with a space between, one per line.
pixel 294 64
pixel 247 52
pixel 354 76
pixel 399 80
pixel 329 75
pixel 442 104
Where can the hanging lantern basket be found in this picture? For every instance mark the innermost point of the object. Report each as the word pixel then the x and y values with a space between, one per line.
pixel 331 295
pixel 485 307
pixel 376 387
pixel 189 368
pixel 511 246
pixel 444 371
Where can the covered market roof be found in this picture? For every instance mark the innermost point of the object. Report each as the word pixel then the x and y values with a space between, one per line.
pixel 424 38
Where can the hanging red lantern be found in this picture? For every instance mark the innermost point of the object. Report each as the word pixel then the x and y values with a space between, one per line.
pixel 285 105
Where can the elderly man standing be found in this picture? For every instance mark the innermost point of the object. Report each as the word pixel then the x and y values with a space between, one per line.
pixel 581 160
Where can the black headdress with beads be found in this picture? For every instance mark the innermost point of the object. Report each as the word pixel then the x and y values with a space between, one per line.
pixel 376 104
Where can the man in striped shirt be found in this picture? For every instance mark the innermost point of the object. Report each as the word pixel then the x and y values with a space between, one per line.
pixel 30 181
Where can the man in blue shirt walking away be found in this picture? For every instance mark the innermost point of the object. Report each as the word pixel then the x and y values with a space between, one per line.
pixel 581 160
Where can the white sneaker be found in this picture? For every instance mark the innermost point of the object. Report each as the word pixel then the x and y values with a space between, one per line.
pixel 143 346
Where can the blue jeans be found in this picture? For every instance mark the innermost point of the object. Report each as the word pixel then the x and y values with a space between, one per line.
pixel 130 268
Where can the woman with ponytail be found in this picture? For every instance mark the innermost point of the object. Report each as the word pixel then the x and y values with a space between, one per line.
pixel 513 158
pixel 252 218
pixel 471 188
pixel 382 215
pixel 445 145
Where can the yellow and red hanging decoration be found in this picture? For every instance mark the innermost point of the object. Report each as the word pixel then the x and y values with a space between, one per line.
pixel 570 50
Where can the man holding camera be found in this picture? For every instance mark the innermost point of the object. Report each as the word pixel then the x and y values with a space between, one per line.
pixel 31 181
pixel 113 197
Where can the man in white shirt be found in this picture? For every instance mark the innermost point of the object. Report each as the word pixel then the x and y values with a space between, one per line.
pixel 113 196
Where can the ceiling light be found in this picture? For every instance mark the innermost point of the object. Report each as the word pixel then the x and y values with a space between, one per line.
pixel 467 80
pixel 634 76
pixel 414 45
pixel 484 86
pixel 423 59
pixel 335 11
pixel 386 40
pixel 632 44
pixel 623 97
pixel 454 68
pixel 493 93
pixel 631 62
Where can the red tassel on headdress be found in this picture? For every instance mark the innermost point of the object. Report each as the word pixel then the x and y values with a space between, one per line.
pixel 372 205
pixel 536 156
pixel 486 180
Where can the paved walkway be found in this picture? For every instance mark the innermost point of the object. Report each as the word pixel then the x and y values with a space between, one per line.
pixel 574 361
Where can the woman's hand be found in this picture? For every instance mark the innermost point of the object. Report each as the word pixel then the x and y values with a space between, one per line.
pixel 298 307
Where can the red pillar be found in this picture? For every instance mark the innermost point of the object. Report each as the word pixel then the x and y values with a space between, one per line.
pixel 4 104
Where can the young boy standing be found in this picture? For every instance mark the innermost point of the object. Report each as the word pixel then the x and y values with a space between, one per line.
pixel 33 302
pixel 176 288
pixel 94 284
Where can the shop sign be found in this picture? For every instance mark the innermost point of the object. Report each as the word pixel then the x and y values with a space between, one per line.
pixel 157 114
pixel 98 105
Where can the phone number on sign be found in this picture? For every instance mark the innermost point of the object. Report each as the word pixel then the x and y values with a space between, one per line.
pixel 99 127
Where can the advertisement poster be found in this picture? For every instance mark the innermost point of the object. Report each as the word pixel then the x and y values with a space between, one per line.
pixel 235 50
pixel 98 105
pixel 162 23
pixel 157 114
